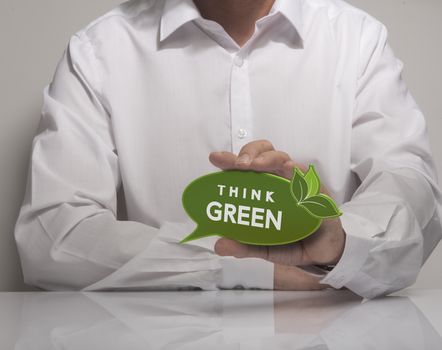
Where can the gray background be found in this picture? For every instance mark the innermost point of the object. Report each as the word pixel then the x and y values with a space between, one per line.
pixel 33 35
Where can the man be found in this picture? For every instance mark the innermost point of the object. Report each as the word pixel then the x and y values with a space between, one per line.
pixel 144 94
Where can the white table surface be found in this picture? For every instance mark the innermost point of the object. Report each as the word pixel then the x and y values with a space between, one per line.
pixel 411 319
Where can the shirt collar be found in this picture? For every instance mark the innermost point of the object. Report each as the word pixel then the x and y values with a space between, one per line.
pixel 292 11
pixel 176 13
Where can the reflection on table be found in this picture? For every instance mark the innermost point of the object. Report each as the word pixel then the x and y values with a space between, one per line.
pixel 218 320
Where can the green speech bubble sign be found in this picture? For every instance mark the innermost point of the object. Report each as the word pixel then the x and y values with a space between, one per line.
pixel 257 208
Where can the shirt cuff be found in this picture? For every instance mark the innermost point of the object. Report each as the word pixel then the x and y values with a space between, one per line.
pixel 356 251
pixel 250 273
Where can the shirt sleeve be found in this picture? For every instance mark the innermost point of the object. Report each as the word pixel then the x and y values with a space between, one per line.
pixel 67 231
pixel 392 221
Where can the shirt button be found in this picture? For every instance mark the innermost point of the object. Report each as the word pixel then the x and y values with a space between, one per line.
pixel 238 60
pixel 242 133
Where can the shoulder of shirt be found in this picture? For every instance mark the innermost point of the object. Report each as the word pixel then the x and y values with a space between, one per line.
pixel 341 10
pixel 128 11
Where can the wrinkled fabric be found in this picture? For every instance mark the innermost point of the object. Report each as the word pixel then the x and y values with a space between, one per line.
pixel 144 93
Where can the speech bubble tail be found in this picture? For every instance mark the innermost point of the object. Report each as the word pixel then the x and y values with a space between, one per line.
pixel 196 234
pixel 188 239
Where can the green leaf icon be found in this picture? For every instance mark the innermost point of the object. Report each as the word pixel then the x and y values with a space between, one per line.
pixel 321 206
pixel 298 186
pixel 313 182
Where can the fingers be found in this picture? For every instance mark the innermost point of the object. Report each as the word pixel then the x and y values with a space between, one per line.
pixel 229 247
pixel 260 156
pixel 223 160
pixel 289 254
pixel 228 160
pixel 285 277
pixel 256 155
pixel 252 150
pixel 294 278
pixel 270 161
pixel 290 165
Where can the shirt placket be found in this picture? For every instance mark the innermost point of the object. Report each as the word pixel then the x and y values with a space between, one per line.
pixel 240 101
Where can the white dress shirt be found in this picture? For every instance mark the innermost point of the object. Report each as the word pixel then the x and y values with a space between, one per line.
pixel 143 94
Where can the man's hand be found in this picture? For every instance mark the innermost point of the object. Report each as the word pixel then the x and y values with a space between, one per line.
pixel 325 246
